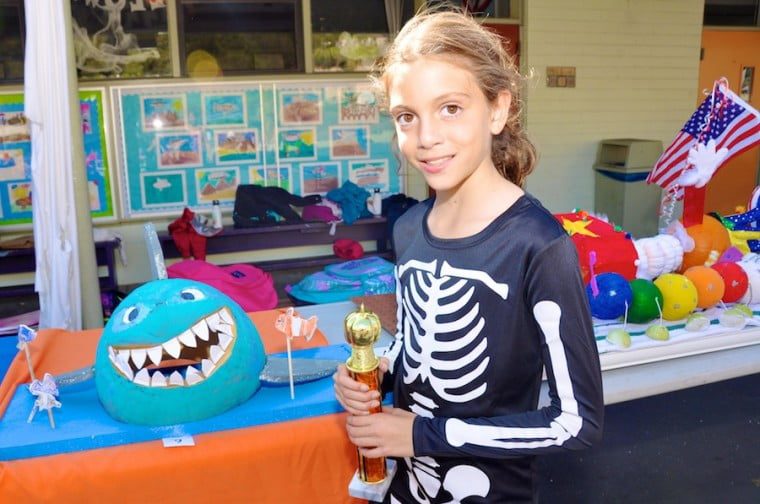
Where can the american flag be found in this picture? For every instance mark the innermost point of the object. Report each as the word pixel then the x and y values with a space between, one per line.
pixel 723 117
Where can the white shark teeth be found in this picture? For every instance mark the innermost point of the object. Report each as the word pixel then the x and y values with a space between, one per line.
pixel 138 357
pixel 193 376
pixel 173 347
pixel 207 367
pixel 155 354
pixel 213 321
pixel 142 378
pixel 216 353
pixel 124 367
pixel 221 323
pixel 187 338
pixel 123 355
pixel 176 379
pixel 226 316
pixel 158 379
pixel 201 330
pixel 224 340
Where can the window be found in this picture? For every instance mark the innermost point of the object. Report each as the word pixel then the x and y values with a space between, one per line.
pixel 240 37
pixel 120 40
pixel 731 12
pixel 493 9
pixel 11 41
pixel 347 38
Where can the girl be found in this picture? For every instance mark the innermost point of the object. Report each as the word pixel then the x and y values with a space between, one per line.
pixel 488 287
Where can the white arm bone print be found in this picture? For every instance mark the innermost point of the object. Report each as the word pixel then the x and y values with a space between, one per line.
pixel 562 428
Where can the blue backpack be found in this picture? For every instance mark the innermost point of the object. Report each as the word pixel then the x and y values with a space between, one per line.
pixel 345 280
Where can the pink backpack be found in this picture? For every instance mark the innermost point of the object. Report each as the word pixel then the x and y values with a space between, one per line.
pixel 252 288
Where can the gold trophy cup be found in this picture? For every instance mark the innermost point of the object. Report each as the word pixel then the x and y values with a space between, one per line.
pixel 362 330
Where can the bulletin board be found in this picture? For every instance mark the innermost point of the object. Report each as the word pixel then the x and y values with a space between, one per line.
pixel 16 159
pixel 186 145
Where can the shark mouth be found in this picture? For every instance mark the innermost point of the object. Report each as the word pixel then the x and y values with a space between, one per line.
pixel 182 361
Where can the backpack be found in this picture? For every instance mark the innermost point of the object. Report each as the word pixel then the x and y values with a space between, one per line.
pixel 249 286
pixel 257 205
pixel 345 280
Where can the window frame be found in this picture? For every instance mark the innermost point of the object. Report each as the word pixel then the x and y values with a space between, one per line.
pixel 299 37
pixel 19 5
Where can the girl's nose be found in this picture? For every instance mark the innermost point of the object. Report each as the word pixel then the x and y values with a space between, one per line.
pixel 429 134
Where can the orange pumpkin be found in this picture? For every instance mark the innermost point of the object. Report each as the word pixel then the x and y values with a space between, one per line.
pixel 710 285
pixel 708 236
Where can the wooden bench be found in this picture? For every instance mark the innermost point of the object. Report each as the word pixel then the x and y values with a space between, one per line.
pixel 232 240
pixel 23 261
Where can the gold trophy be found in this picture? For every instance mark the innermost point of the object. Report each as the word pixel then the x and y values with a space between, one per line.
pixel 362 330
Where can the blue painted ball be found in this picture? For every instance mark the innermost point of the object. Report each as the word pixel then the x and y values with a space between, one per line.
pixel 614 293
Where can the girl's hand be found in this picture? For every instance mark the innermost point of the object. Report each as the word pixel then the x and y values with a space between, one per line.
pixel 386 434
pixel 355 397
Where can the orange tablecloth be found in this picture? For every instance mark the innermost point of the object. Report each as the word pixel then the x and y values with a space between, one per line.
pixel 309 460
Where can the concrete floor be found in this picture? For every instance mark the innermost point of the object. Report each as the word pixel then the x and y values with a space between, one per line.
pixel 700 445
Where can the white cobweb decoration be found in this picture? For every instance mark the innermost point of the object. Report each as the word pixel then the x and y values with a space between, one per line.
pixel 110 48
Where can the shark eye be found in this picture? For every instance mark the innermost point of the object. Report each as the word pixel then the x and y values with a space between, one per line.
pixel 130 314
pixel 191 294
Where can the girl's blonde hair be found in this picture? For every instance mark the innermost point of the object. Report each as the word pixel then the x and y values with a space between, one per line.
pixel 456 35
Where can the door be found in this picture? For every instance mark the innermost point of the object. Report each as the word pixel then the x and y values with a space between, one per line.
pixel 725 53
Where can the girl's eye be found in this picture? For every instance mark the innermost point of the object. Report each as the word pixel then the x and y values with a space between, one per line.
pixel 451 110
pixel 130 314
pixel 191 294
pixel 404 119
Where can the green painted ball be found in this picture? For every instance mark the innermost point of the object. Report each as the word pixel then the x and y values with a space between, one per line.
pixel 643 307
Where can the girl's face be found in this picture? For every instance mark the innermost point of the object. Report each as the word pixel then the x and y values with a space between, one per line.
pixel 444 121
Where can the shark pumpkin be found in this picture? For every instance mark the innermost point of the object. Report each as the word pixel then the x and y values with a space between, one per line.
pixel 177 351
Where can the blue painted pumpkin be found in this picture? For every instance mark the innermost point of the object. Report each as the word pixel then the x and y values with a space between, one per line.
pixel 176 351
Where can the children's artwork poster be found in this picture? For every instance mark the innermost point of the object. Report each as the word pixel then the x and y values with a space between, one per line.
pixel 161 113
pixel 20 196
pixel 224 109
pixel 302 136
pixel 165 188
pixel 348 142
pixel 300 106
pixel 297 144
pixel 236 146
pixel 370 174
pixel 319 178
pixel 179 150
pixel 16 159
pixel 357 104
pixel 217 184
pixel 11 164
pixel 274 176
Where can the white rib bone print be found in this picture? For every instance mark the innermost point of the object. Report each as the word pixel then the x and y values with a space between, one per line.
pixel 431 355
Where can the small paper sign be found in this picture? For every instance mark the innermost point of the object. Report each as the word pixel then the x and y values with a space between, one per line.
pixel 175 442
pixel 26 334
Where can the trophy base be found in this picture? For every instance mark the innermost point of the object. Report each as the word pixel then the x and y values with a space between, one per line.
pixel 374 492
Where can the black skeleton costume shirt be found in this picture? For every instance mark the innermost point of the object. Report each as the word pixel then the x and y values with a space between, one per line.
pixel 479 318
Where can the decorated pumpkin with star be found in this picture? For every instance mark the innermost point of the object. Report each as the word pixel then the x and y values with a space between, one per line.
pixel 601 247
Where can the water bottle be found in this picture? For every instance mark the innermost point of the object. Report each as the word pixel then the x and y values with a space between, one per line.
pixel 376 203
pixel 216 215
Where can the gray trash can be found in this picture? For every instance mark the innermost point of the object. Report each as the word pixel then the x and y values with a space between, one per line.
pixel 620 188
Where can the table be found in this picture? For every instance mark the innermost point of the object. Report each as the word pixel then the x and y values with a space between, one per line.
pixel 633 373
pixel 311 460
pixel 23 261
pixel 233 239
